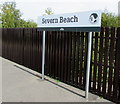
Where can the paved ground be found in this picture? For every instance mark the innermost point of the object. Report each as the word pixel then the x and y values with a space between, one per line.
pixel 19 85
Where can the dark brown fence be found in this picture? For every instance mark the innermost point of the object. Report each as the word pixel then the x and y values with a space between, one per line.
pixel 23 46
pixel 66 57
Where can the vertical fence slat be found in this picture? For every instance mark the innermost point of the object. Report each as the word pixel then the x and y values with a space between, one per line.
pixel 100 61
pixel 111 61
pixel 69 57
pixel 23 58
pixel 73 57
pixel 95 62
pixel 54 62
pixel 46 53
pixel 50 56
pixel 77 58
pixel 62 57
pixel 32 48
pixel 91 65
pixel 105 61
pixel 66 57
pixel 31 44
pixel 59 59
pixel 85 57
pixel 56 55
pixel 40 52
pixel 81 59
pixel 117 67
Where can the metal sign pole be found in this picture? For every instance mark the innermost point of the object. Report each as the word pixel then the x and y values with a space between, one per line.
pixel 43 55
pixel 88 64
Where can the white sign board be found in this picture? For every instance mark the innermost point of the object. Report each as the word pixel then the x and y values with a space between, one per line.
pixel 80 19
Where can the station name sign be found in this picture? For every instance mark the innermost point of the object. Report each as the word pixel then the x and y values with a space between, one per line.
pixel 79 21
pixel 60 20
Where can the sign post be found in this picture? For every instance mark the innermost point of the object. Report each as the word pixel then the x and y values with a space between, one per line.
pixel 78 22
pixel 43 55
pixel 88 64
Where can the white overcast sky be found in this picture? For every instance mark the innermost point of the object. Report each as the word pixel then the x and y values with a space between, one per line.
pixel 31 9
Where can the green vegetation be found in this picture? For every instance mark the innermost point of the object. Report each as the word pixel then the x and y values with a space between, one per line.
pixel 48 11
pixel 109 20
pixel 57 81
pixel 10 17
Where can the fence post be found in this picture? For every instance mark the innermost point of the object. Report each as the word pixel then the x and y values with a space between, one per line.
pixel 43 55
pixel 88 64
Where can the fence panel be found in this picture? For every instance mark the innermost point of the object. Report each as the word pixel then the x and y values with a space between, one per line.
pixel 66 56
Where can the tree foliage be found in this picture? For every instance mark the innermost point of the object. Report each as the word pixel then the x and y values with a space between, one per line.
pixel 48 11
pixel 109 20
pixel 11 17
